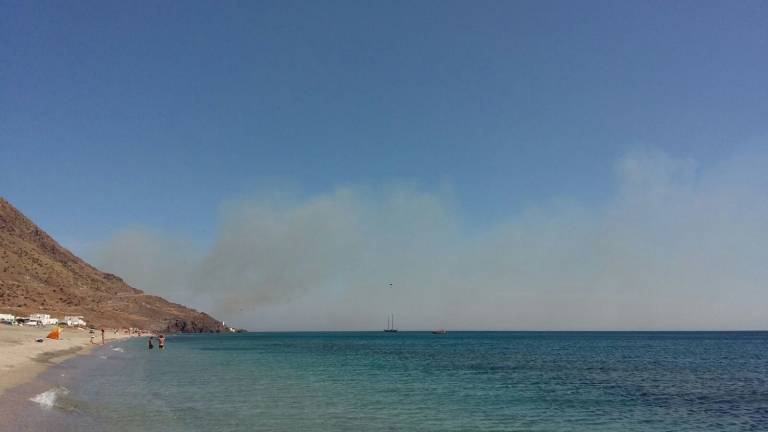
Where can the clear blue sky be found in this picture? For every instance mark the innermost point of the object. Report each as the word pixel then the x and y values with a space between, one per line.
pixel 115 113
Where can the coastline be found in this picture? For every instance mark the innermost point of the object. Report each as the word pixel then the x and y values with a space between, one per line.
pixel 23 359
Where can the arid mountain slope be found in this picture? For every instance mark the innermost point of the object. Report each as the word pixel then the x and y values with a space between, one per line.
pixel 39 275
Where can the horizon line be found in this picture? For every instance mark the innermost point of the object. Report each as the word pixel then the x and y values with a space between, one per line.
pixel 517 331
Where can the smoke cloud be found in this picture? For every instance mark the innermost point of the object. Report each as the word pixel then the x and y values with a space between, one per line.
pixel 679 246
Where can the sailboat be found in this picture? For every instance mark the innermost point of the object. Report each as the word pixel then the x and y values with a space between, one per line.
pixel 390 324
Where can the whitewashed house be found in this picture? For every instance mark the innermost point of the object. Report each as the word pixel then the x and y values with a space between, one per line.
pixel 43 319
pixel 74 321
pixel 7 318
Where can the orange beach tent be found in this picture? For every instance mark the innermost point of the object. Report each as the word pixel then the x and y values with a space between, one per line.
pixel 55 333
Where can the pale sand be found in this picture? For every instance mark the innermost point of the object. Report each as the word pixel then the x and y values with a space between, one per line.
pixel 22 359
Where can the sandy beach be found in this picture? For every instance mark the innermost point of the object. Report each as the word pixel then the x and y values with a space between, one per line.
pixel 23 358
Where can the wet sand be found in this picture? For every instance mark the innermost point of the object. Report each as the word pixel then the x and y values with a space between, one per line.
pixel 22 359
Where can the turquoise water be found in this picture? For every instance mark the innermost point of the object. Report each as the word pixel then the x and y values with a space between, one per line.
pixel 462 381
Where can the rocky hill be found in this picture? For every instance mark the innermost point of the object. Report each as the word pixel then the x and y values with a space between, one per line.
pixel 39 275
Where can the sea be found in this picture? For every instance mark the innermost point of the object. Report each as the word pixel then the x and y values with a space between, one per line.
pixel 407 381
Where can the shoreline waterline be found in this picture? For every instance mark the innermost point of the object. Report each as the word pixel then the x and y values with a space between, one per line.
pixel 24 358
pixel 40 400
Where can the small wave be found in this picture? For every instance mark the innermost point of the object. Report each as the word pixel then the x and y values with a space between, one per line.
pixel 103 357
pixel 118 349
pixel 49 398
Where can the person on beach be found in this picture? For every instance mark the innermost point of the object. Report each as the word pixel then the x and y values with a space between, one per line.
pixel 161 342
pixel 150 343
pixel 102 336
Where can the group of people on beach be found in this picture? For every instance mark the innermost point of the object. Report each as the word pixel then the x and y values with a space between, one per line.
pixel 160 338
pixel 93 336
pixel 160 342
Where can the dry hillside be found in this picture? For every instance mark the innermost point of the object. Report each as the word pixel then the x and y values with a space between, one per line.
pixel 38 275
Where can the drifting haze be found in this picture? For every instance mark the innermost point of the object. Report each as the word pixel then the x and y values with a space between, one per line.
pixel 678 246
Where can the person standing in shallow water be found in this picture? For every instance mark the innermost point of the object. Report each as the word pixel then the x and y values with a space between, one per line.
pixel 150 346
pixel 161 342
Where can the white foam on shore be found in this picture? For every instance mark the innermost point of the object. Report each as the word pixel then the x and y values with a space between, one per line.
pixel 48 398
pixel 118 349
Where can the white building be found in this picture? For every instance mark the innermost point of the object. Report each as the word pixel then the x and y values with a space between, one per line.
pixel 7 318
pixel 43 319
pixel 74 321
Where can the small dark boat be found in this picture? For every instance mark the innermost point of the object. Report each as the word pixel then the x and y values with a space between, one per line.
pixel 440 331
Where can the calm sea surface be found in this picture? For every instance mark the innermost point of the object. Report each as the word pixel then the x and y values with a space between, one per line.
pixel 462 381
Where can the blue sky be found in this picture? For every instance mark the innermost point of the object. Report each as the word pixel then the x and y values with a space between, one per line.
pixel 116 114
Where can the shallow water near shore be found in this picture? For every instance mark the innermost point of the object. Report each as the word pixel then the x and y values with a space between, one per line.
pixel 462 381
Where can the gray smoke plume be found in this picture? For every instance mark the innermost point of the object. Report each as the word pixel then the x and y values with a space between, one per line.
pixel 678 247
